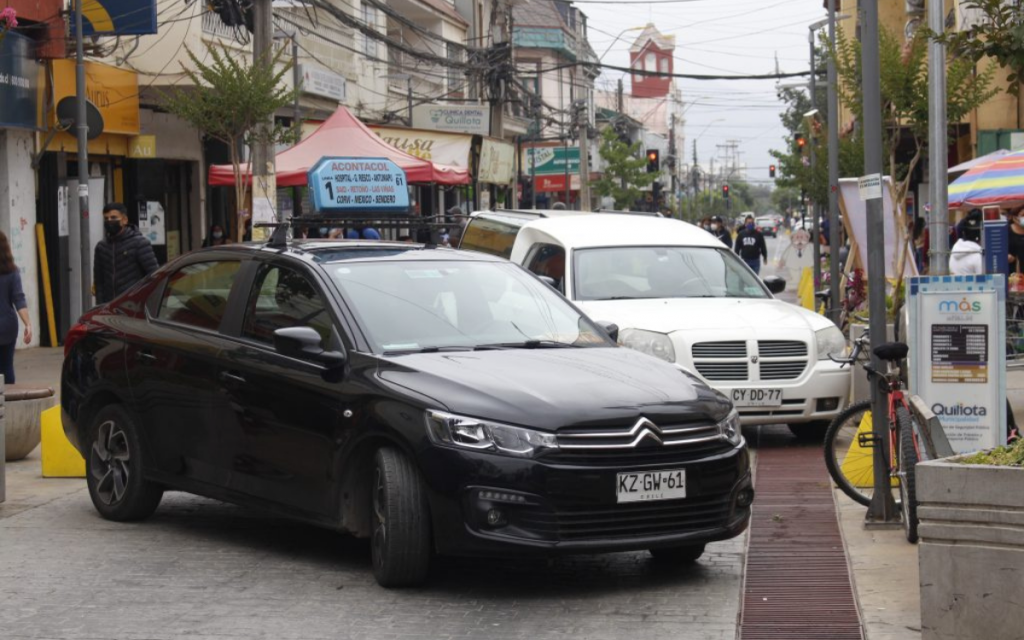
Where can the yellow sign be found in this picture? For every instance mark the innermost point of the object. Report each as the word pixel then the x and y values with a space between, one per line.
pixel 115 92
pixel 142 147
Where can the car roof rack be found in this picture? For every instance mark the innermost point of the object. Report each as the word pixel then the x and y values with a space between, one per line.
pixel 279 236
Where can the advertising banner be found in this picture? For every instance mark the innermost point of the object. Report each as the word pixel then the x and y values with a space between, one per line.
pixel 548 184
pixel 119 17
pixel 497 162
pixel 19 83
pixel 443 148
pixel 115 92
pixel 550 160
pixel 958 355
pixel 370 185
pixel 454 119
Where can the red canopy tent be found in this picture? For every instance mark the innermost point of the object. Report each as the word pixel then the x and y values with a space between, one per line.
pixel 344 135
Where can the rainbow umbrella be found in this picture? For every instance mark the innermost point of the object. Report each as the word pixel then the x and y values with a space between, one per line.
pixel 999 183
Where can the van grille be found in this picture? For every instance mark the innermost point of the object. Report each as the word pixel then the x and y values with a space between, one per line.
pixel 731 349
pixel 782 349
pixel 723 370
pixel 782 370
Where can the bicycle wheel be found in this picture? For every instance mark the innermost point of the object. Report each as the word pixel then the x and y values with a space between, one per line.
pixel 906 464
pixel 851 465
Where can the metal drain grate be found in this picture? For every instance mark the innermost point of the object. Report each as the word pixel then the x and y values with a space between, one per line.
pixel 797 580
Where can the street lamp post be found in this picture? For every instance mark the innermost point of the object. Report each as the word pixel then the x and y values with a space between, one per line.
pixel 617 38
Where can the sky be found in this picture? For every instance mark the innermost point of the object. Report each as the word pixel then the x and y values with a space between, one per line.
pixel 724 37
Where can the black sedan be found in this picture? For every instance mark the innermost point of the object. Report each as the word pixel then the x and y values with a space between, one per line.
pixel 435 401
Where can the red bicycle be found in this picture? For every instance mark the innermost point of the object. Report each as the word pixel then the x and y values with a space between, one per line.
pixel 850 440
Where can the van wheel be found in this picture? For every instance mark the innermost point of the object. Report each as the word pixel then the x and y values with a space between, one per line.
pixel 114 470
pixel 400 545
pixel 687 554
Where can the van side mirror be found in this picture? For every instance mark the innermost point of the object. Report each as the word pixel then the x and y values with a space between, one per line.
pixel 551 282
pixel 775 284
pixel 304 343
pixel 611 329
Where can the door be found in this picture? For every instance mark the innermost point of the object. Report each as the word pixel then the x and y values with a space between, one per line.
pixel 173 358
pixel 288 411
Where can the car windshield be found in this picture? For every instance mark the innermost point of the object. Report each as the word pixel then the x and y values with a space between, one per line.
pixel 628 273
pixel 415 306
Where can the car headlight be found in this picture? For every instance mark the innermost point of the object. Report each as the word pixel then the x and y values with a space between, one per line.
pixel 483 435
pixel 730 428
pixel 654 344
pixel 830 340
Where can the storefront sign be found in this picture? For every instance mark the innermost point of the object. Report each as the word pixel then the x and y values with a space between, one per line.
pixel 115 92
pixel 350 185
pixel 557 183
pixel 958 357
pixel 455 119
pixel 497 162
pixel 142 147
pixel 550 160
pixel 19 83
pixel 324 83
pixel 443 148
pixel 119 17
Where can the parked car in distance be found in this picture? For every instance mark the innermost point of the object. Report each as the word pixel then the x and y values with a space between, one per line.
pixel 676 293
pixel 431 400
pixel 768 226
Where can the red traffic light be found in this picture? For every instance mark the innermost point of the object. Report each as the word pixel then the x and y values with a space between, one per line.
pixel 652 156
pixel 725 190
pixel 771 171
pixel 800 141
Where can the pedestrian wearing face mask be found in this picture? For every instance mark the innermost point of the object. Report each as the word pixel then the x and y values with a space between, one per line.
pixel 122 258
pixel 216 237
pixel 720 231
pixel 750 245
pixel 1016 243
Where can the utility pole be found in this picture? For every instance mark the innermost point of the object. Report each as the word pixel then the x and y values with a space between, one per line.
pixel 833 168
pixel 264 183
pixel 673 182
pixel 568 182
pixel 296 115
pixel 82 299
pixel 938 225
pixel 500 35
pixel 815 209
pixel 696 185
pixel 583 129
pixel 882 509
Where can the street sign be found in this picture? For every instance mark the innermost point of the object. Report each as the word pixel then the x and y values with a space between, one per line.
pixel 958 355
pixel 366 185
pixel 870 187
pixel 550 160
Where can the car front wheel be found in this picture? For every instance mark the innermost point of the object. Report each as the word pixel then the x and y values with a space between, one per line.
pixel 114 468
pixel 400 545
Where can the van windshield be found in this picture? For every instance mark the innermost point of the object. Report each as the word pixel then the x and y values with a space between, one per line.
pixel 413 306
pixel 633 273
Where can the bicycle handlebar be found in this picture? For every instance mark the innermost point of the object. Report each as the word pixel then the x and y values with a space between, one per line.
pixel 858 347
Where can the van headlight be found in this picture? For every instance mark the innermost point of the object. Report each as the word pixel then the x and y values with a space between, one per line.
pixel 654 344
pixel 830 340
pixel 730 428
pixel 484 435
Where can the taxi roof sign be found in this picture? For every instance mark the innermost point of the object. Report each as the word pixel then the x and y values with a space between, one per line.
pixel 351 185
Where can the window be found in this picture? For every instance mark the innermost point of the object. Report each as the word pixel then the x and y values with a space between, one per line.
pixel 650 63
pixel 490 236
pixel 283 297
pixel 455 74
pixel 548 260
pixel 663 65
pixel 370 18
pixel 197 295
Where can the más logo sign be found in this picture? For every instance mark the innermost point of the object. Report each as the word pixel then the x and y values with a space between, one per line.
pixel 963 306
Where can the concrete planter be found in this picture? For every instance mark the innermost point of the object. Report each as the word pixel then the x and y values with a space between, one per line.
pixel 22 420
pixel 971 550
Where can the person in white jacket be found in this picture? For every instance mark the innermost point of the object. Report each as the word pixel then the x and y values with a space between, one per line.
pixel 966 257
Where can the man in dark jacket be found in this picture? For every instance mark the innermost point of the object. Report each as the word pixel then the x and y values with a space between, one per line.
pixel 750 245
pixel 123 256
pixel 721 231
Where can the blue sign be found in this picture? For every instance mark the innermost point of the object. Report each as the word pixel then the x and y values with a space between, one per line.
pixel 118 17
pixel 19 83
pixel 997 247
pixel 351 185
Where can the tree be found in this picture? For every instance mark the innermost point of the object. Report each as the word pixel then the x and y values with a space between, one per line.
pixel 625 174
pixel 999 35
pixel 904 84
pixel 230 102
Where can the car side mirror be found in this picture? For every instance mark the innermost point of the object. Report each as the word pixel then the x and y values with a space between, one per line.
pixel 775 284
pixel 551 282
pixel 305 343
pixel 611 329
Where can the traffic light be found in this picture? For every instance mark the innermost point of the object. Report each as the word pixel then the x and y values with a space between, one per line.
pixel 653 163
pixel 771 171
pixel 801 142
pixel 725 191
pixel 656 191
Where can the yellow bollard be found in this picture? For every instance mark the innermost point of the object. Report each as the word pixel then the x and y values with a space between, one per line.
pixel 858 463
pixel 60 459
pixel 807 290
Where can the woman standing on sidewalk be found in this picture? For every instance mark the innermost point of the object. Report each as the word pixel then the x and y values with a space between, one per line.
pixel 12 305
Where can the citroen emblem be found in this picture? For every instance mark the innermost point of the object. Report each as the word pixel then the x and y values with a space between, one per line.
pixel 644 428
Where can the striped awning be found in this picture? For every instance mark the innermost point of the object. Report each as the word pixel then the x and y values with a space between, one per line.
pixel 999 183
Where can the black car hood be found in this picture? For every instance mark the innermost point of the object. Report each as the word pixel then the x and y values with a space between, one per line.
pixel 552 388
